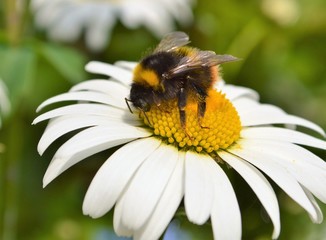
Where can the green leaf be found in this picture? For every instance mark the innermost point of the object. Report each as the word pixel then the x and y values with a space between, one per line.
pixel 17 69
pixel 67 61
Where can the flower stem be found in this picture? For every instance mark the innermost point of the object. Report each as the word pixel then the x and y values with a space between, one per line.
pixel 10 181
pixel 13 21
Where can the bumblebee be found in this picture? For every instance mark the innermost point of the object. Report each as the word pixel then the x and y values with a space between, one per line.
pixel 175 71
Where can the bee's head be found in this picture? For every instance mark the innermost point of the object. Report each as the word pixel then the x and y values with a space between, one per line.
pixel 141 97
pixel 141 104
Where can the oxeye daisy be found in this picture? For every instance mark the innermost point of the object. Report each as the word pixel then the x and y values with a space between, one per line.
pixel 65 20
pixel 161 165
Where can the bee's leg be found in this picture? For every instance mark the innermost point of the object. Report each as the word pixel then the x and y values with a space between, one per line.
pixel 201 109
pixel 201 112
pixel 182 101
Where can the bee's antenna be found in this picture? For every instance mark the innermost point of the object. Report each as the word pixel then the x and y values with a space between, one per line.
pixel 147 119
pixel 127 102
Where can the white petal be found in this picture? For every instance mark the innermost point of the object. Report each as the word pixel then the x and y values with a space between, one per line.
pixel 159 24
pixel 318 210
pixel 119 227
pixel 46 16
pixel 126 65
pixel 259 185
pixel 111 87
pixel 181 10
pixel 124 76
pixel 62 125
pixel 225 215
pixel 233 92
pixel 243 104
pixel 147 186
pixel 290 152
pixel 89 142
pixel 114 175
pixel 282 134
pixel 306 167
pixel 85 96
pixel 153 16
pixel 277 173
pixel 99 27
pixel 167 205
pixel 199 189
pixel 260 109
pixel 262 117
pixel 67 28
pixel 88 109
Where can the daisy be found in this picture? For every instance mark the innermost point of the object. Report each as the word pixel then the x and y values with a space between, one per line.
pixel 64 20
pixel 158 165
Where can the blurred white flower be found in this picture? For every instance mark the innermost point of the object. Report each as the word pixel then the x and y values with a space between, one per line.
pixel 158 166
pixel 283 12
pixel 4 101
pixel 4 105
pixel 65 20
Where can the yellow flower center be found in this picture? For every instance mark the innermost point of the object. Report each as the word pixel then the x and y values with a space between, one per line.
pixel 219 128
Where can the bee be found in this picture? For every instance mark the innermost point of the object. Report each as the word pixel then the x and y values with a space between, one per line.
pixel 175 71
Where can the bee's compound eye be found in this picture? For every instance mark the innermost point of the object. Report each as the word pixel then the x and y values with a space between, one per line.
pixel 147 108
pixel 143 105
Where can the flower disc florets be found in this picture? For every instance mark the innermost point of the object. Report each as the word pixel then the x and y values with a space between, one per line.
pixel 219 128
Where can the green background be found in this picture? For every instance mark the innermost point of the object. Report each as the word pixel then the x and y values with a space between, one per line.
pixel 284 61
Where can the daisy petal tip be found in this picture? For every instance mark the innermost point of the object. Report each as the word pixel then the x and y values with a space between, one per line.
pixel 86 208
pixel 89 65
pixel 88 213
pixel 39 108
pixel 93 66
pixel 197 221
pixel 94 215
pixel 317 219
pixel 92 208
pixel 45 182
pixel 320 130
pixel 36 120
pixel 323 133
pixel 276 234
pixel 40 152
pixel 53 171
pixel 40 149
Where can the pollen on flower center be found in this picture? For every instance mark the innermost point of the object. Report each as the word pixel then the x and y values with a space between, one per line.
pixel 219 128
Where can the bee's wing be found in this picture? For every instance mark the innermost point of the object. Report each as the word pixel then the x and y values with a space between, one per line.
pixel 200 59
pixel 172 41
